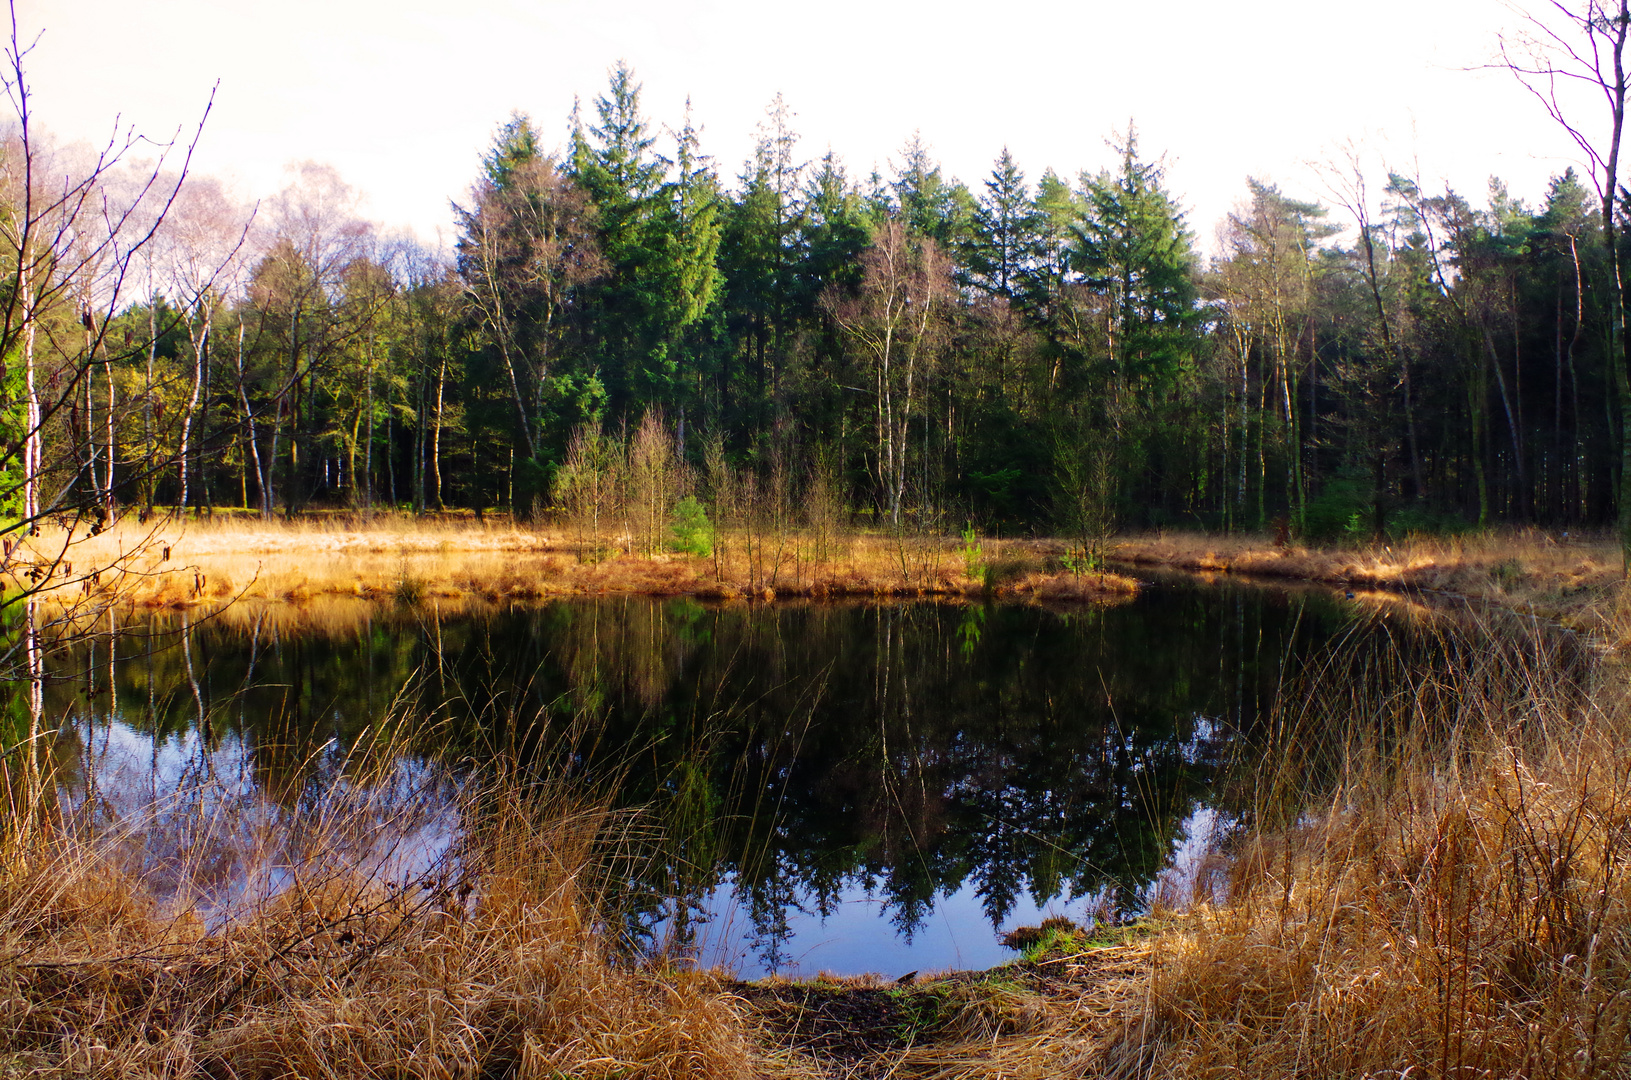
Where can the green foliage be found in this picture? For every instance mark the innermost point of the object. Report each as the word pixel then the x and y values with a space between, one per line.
pixel 691 531
pixel 571 400
pixel 1000 241
pixel 973 554
pixel 1342 509
pixel 970 631
pixel 13 424
pixel 1080 560
pixel 1059 936
pixel 1133 242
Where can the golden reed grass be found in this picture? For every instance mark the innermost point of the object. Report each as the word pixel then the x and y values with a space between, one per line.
pixel 1434 881
pixel 399 559
pixel 486 961
pixel 1573 580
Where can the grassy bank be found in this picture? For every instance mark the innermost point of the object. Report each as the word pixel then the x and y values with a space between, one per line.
pixel 452 561
pixel 1572 580
pixel 347 948
pixel 400 559
pixel 1433 879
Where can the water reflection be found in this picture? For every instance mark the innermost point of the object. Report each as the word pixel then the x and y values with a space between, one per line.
pixel 907 764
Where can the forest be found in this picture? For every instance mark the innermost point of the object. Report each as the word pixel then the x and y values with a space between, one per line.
pixel 1053 354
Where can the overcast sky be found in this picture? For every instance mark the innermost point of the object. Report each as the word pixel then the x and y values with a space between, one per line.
pixel 403 96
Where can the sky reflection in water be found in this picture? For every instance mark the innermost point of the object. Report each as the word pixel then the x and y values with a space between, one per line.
pixel 843 787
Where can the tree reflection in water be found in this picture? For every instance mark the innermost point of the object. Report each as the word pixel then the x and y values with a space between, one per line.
pixel 790 753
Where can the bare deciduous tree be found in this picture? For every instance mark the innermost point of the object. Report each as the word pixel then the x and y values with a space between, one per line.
pixel 204 244
pixel 527 243
pixel 1566 52
pixel 895 319
pixel 73 232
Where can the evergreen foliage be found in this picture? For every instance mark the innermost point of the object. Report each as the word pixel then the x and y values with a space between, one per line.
pixel 1039 356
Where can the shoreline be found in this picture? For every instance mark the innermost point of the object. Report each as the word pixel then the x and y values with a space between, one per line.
pixel 1574 584
pixel 401 562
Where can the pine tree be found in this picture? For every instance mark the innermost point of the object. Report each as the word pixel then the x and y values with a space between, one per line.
pixel 929 204
pixel 1133 245
pixel 612 160
pixel 761 254
pixel 689 232
pixel 1004 232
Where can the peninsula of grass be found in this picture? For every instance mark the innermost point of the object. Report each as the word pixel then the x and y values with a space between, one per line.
pixel 409 561
pixel 1572 580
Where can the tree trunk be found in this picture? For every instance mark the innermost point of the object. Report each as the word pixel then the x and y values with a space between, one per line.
pixel 436 436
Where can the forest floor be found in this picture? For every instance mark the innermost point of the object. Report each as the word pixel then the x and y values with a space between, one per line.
pixel 1053 1012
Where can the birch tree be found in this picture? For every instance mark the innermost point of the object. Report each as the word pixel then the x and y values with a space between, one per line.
pixel 895 321
pixel 526 242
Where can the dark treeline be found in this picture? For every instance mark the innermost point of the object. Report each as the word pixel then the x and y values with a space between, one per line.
pixel 1047 353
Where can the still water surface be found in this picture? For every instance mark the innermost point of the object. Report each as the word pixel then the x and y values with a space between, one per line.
pixel 840 787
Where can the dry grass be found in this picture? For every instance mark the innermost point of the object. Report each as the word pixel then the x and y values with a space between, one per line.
pixel 1575 581
pixel 410 562
pixel 1449 894
pixel 483 961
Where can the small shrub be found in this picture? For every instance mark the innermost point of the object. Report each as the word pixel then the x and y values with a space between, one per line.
pixel 1056 936
pixel 1079 561
pixel 973 555
pixel 1339 511
pixel 692 532
pixel 409 588
pixel 1507 574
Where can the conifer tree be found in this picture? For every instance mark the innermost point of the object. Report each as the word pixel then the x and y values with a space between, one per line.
pixel 1003 233
pixel 613 161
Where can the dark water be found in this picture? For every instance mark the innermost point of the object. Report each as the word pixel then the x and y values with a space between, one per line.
pixel 824 787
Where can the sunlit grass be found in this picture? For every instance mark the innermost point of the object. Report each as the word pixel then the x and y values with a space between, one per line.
pixel 396 559
pixel 1435 879
pixel 1571 579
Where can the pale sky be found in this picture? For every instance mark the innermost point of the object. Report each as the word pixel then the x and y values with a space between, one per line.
pixel 403 96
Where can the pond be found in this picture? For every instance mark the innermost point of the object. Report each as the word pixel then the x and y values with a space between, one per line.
pixel 822 787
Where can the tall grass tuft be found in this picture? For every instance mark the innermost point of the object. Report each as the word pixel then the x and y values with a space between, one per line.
pixel 408 922
pixel 1434 880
